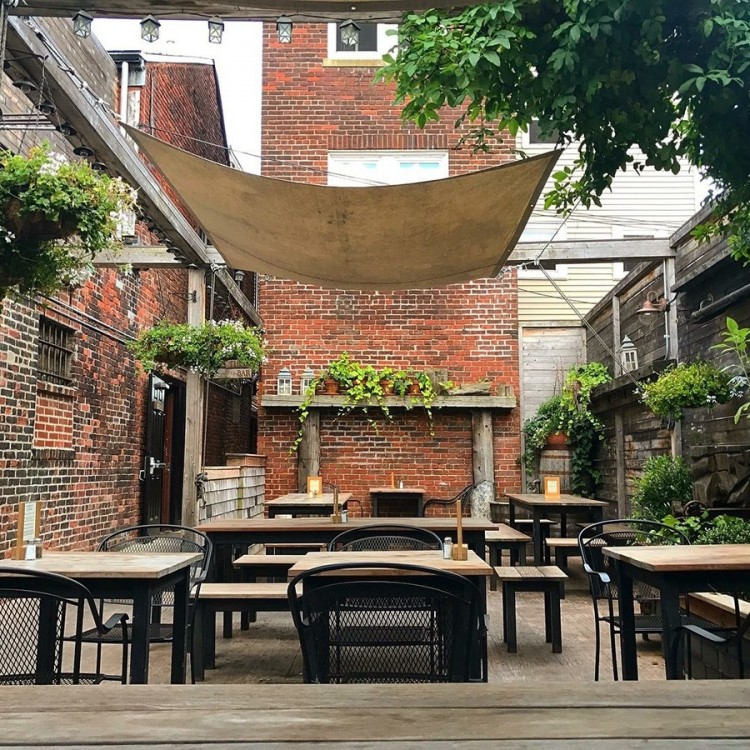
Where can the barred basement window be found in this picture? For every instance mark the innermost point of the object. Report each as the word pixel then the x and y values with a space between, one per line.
pixel 55 352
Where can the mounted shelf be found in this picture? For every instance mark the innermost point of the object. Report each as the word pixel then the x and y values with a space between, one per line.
pixel 507 401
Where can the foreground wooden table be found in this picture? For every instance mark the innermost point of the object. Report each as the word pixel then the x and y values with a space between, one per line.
pixel 674 570
pixel 136 576
pixel 301 504
pixel 709 715
pixel 540 506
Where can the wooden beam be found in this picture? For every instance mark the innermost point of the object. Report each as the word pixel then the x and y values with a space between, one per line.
pixel 616 335
pixel 592 251
pixel 140 256
pixel 270 401
pixel 313 11
pixel 622 493
pixel 308 455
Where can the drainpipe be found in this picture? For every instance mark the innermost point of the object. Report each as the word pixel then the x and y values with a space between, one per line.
pixel 124 78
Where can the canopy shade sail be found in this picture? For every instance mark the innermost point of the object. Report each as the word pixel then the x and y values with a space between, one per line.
pixel 414 236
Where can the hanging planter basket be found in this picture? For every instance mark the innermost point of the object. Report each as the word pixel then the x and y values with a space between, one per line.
pixel 35 226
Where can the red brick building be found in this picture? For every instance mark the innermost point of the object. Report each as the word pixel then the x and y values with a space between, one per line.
pixel 73 404
pixel 325 121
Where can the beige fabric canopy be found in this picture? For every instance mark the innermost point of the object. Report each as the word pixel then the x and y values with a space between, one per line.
pixel 414 236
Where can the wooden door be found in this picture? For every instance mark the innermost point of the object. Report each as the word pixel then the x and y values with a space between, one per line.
pixel 155 472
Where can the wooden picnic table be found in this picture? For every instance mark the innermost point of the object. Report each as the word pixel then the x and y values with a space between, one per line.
pixel 705 715
pixel 301 504
pixel 674 570
pixel 540 506
pixel 136 576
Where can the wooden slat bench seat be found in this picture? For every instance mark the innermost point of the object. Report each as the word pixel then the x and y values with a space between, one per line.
pixel 252 567
pixel 505 538
pixel 230 597
pixel 563 548
pixel 293 548
pixel 546 578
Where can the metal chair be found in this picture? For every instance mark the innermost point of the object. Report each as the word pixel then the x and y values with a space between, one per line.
pixel 602 577
pixel 160 538
pixel 35 610
pixel 464 497
pixel 384 537
pixel 421 625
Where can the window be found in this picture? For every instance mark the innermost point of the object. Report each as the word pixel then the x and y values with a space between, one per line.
pixel 621 269
pixel 55 352
pixel 362 168
pixel 374 42
pixel 544 234
pixel 535 134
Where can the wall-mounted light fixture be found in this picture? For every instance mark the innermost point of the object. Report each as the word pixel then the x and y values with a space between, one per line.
pixel 284 29
pixel 83 151
pixel 238 277
pixel 349 33
pixel 215 30
pixel 67 129
pixel 82 24
pixel 25 85
pixel 656 303
pixel 150 29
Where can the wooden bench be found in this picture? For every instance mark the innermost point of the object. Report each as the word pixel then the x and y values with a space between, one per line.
pixel 230 597
pixel 527 524
pixel 546 578
pixel 505 538
pixel 294 548
pixel 252 567
pixel 563 547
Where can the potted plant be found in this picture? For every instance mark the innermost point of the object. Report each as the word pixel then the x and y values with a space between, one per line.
pixel 736 341
pixel 665 481
pixel 56 216
pixel 203 349
pixel 686 386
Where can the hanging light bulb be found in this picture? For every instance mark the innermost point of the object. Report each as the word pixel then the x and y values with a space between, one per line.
pixel 47 108
pixel 215 30
pixel 83 151
pixel 82 24
pixel 150 29
pixel 349 33
pixel 284 29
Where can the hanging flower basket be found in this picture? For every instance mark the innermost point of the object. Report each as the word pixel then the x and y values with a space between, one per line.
pixel 55 216
pixel 204 349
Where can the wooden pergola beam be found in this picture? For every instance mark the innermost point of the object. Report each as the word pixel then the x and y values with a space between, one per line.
pixel 592 251
pixel 312 11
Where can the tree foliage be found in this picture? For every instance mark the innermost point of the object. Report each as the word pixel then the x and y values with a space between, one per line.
pixel 668 76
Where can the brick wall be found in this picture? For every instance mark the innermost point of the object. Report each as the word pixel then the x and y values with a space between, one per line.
pixel 469 329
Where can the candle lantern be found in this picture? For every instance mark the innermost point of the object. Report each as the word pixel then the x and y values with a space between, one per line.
pixel 306 380
pixel 284 382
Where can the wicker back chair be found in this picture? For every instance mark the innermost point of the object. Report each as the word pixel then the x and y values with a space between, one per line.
pixel 39 614
pixel 384 537
pixel 373 627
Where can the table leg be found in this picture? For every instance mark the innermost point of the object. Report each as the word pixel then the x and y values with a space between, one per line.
pixel 180 627
pixel 511 513
pixel 671 642
pixel 509 604
pixel 496 557
pixel 198 649
pixel 563 523
pixel 556 619
pixel 629 656
pixel 537 537
pixel 139 636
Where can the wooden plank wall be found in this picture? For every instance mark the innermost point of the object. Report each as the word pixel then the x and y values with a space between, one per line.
pixel 232 492
pixel 717 449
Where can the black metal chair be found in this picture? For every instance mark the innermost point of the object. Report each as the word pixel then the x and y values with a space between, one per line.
pixel 464 497
pixel 36 610
pixel 722 638
pixel 384 537
pixel 158 538
pixel 420 625
pixel 602 577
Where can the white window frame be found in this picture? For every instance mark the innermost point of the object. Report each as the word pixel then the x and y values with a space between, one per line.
pixel 543 234
pixel 623 233
pixel 337 171
pixel 385 44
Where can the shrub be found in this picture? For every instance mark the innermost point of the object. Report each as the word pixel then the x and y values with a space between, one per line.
pixel 665 480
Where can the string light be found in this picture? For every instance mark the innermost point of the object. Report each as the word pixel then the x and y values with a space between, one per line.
pixel 150 29
pixel 215 30
pixel 284 29
pixel 82 24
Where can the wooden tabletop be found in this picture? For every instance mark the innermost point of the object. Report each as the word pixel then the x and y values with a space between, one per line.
pixel 473 566
pixel 701 715
pixel 258 523
pixel 397 490
pixel 685 557
pixel 108 564
pixel 563 500
pixel 303 499
pixel 504 533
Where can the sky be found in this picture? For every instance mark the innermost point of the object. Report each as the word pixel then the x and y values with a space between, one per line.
pixel 238 64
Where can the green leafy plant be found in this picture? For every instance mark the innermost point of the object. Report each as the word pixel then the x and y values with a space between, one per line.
pixel 55 215
pixel 570 413
pixel 664 480
pixel 609 74
pixel 686 386
pixel 203 349
pixel 735 342
pixel 703 529
pixel 362 387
